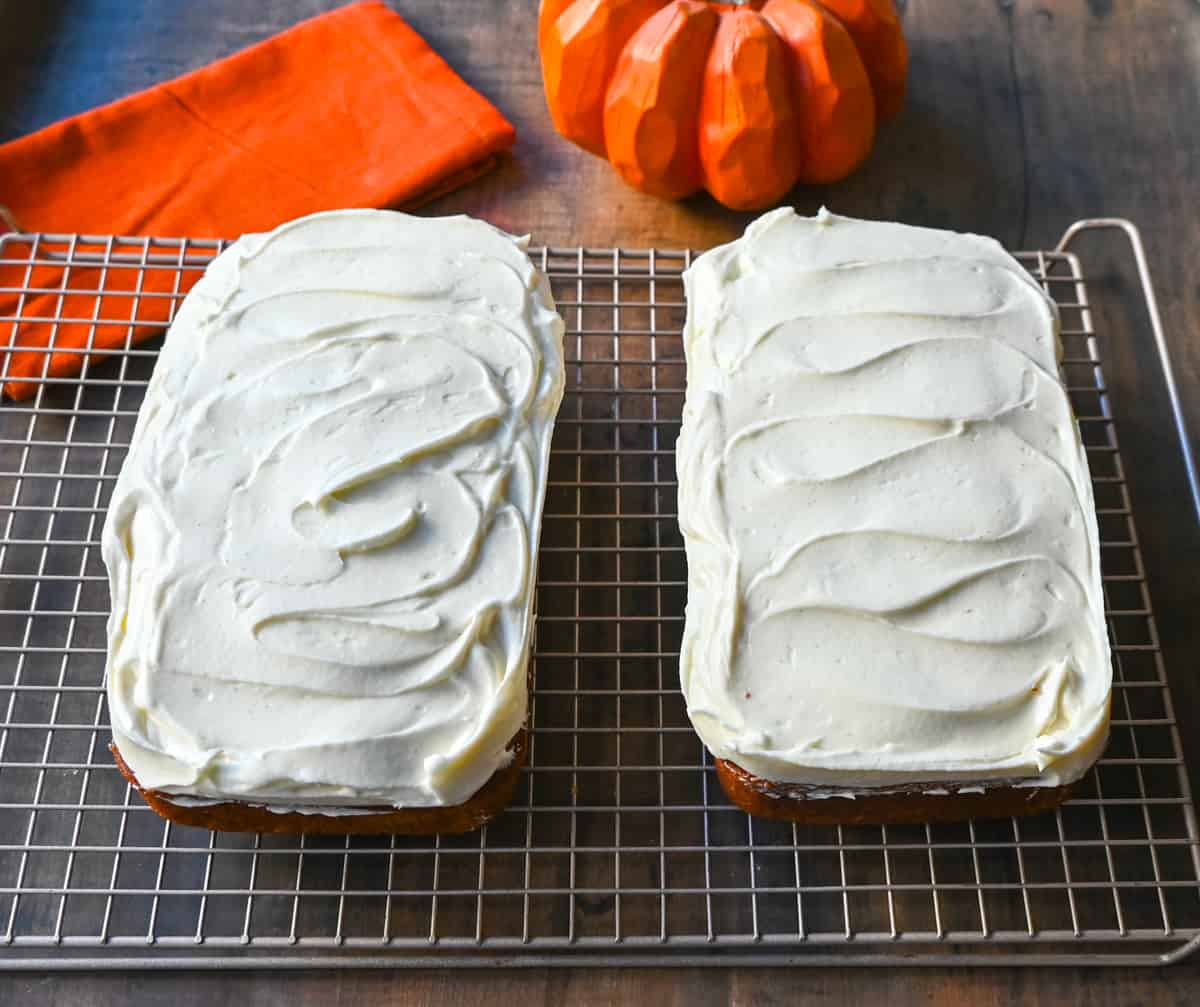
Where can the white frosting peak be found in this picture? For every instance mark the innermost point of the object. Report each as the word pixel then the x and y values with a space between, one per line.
pixel 892 547
pixel 321 546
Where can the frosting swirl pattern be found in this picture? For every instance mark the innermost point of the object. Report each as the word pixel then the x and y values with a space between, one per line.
pixel 892 545
pixel 321 547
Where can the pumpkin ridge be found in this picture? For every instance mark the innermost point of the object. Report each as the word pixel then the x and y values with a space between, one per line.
pixel 875 27
pixel 748 141
pixel 650 126
pixel 837 120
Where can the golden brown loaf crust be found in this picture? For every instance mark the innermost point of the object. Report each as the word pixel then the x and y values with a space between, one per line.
pixel 781 802
pixel 233 816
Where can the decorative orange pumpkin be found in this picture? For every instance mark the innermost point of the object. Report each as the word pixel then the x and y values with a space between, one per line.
pixel 743 99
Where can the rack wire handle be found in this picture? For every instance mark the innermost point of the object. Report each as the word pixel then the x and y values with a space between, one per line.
pixel 1131 232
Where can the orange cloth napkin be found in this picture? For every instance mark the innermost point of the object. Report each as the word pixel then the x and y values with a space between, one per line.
pixel 351 108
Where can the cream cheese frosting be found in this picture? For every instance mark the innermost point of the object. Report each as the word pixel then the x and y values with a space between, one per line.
pixel 322 544
pixel 893 558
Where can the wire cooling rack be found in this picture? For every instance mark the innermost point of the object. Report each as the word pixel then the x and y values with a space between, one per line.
pixel 620 847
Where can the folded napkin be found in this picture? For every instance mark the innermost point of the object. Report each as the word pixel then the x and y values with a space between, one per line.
pixel 351 108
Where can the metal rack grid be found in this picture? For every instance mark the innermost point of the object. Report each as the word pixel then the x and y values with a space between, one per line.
pixel 620 847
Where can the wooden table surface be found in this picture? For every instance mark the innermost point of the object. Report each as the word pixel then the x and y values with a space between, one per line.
pixel 1022 117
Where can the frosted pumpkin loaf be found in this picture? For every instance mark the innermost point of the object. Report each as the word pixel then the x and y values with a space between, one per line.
pixel 322 544
pixel 894 599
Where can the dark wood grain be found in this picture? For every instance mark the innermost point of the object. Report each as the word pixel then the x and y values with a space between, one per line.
pixel 1022 117
pixel 599 988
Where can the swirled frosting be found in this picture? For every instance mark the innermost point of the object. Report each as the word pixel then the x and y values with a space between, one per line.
pixel 893 559
pixel 321 546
